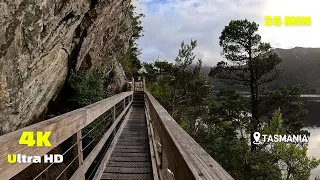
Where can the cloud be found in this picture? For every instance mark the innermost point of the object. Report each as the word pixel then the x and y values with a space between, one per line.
pixel 169 22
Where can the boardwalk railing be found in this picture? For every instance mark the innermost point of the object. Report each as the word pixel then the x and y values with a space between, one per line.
pixel 65 126
pixel 138 85
pixel 178 155
pixel 174 153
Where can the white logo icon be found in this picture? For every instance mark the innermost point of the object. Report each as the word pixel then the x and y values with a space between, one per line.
pixel 256 137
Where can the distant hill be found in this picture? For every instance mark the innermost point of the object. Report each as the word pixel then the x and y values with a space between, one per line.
pixel 218 84
pixel 300 65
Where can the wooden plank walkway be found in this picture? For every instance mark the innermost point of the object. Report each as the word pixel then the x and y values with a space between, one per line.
pixel 130 158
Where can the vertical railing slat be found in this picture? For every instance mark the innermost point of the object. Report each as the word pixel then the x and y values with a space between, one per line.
pixel 80 152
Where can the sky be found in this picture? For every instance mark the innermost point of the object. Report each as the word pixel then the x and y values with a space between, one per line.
pixel 169 22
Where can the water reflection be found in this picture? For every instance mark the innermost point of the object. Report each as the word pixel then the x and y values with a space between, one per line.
pixel 314 149
pixel 310 95
pixel 313 105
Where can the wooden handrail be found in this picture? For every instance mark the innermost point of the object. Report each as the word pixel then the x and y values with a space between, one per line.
pixel 61 127
pixel 88 161
pixel 186 158
pixel 179 152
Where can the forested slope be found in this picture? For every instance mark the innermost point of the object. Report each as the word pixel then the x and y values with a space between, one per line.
pixel 300 66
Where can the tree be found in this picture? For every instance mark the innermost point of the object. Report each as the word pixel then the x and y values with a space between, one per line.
pixel 232 110
pixel 221 139
pixel 130 60
pixel 180 86
pixel 189 87
pixel 293 109
pixel 86 87
pixel 222 127
pixel 161 90
pixel 252 63
pixel 226 140
pixel 292 158
pixel 163 67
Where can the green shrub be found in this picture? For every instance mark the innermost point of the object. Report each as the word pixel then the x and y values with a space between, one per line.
pixel 87 87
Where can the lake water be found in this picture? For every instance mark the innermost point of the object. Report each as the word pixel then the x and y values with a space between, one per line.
pixel 314 149
pixel 312 124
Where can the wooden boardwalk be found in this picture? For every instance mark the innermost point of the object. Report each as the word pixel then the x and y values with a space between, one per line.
pixel 146 143
pixel 130 158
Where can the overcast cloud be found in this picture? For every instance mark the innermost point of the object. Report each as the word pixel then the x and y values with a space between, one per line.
pixel 169 22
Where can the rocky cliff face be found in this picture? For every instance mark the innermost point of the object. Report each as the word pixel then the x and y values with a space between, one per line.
pixel 42 41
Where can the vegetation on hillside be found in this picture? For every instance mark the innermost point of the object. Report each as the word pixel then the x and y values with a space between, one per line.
pixel 300 66
pixel 223 127
pixel 180 89
pixel 130 60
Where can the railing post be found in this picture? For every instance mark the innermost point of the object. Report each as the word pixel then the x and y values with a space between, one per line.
pixel 77 150
pixel 144 83
pixel 164 169
pixel 132 84
pixel 80 155
pixel 80 152
pixel 114 119
pixel 132 97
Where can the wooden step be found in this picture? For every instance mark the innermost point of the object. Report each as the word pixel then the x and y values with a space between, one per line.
pixel 147 176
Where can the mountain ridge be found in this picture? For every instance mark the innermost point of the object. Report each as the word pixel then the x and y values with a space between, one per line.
pixel 300 65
